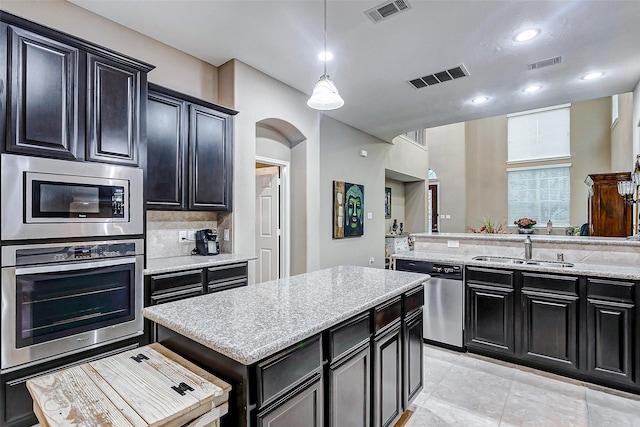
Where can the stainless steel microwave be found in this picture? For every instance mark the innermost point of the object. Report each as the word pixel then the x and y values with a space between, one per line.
pixel 46 198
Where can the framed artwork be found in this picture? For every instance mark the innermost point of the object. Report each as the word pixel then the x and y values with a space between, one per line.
pixel 348 210
pixel 387 202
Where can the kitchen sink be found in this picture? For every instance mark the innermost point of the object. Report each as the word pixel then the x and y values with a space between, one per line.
pixel 508 260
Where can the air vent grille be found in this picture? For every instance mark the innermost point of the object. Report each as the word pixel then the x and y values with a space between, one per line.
pixel 439 77
pixel 386 10
pixel 545 63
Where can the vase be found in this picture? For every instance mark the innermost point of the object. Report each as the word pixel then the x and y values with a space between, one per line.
pixel 525 230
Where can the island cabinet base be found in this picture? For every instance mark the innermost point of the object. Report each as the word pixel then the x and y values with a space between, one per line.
pixel 337 377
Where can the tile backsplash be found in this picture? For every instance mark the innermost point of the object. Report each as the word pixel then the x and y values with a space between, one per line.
pixel 163 230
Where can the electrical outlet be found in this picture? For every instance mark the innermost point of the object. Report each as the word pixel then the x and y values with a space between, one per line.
pixel 226 234
pixel 182 235
pixel 371 261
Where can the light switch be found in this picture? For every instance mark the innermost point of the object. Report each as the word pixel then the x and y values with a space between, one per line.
pixel 369 215
pixel 448 216
pixel 453 244
pixel 441 216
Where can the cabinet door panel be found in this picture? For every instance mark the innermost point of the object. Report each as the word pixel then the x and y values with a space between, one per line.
pixel 350 390
pixel 490 317
pixel 114 111
pixel 209 159
pixel 610 345
pixel 166 152
pixel 387 368
pixel 304 408
pixel 44 99
pixel 413 350
pixel 550 329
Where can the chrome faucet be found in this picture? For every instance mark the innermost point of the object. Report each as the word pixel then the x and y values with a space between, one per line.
pixel 528 249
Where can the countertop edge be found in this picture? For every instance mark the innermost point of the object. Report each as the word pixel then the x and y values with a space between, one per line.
pixel 546 238
pixel 180 263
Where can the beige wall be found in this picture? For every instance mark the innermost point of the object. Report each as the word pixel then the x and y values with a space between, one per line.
pixel 340 159
pixel 486 159
pixel 174 69
pixel 447 158
pixel 622 158
pixel 397 203
pixel 480 151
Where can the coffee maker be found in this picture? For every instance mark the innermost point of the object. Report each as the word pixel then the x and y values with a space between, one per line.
pixel 206 242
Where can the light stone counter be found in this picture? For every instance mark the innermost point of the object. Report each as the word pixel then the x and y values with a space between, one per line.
pixel 180 263
pixel 610 257
pixel 611 270
pixel 250 323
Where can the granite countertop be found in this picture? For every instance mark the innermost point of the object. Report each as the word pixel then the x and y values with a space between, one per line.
pixel 179 263
pixel 616 271
pixel 251 323
pixel 546 238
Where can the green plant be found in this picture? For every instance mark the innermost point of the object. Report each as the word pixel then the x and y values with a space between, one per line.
pixel 489 227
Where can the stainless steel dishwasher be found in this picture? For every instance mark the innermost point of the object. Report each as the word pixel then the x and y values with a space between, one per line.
pixel 443 301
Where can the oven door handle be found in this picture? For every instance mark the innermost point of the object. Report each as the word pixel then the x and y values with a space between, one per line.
pixel 55 268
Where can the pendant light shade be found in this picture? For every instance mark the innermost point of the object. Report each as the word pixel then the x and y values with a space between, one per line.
pixel 325 96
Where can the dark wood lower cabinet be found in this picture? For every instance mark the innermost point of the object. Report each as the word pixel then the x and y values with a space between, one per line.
pixel 413 351
pixel 387 374
pixel 582 327
pixel 350 390
pixel 490 318
pixel 303 407
pixel 549 305
pixel 611 322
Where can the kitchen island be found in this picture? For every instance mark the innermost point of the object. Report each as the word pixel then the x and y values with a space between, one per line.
pixel 343 343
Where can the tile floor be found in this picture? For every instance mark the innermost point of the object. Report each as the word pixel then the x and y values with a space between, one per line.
pixel 462 389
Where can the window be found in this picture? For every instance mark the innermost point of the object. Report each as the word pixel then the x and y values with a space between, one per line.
pixel 539 134
pixel 417 136
pixel 540 193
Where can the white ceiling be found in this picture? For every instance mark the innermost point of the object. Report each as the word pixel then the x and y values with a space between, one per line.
pixel 373 62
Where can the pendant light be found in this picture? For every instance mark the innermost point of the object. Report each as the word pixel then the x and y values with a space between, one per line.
pixel 325 96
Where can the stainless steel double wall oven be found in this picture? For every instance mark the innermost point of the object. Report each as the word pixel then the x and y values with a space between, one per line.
pixel 72 257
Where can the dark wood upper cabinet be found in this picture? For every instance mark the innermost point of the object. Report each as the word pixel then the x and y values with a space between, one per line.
pixel 608 214
pixel 68 98
pixel 43 92
pixel 166 135
pixel 189 159
pixel 113 101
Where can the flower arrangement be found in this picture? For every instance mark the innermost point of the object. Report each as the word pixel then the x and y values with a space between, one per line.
pixel 489 227
pixel 525 223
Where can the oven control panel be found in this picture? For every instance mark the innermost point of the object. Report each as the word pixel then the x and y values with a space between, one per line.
pixel 74 252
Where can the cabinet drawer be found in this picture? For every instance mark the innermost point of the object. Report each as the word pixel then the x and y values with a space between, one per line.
pixel 414 299
pixel 186 292
pixel 550 282
pixel 226 272
pixel 171 281
pixel 349 335
pixel 284 371
pixel 490 276
pixel 416 266
pixel 613 290
pixel 221 286
pixel 387 313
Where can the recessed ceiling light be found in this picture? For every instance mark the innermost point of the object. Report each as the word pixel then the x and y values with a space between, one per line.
pixel 329 55
pixel 532 88
pixel 593 75
pixel 480 99
pixel 525 35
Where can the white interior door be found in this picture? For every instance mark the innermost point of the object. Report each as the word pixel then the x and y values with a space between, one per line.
pixel 267 223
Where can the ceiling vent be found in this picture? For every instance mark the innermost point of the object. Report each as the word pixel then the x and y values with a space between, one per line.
pixel 545 63
pixel 387 10
pixel 442 76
